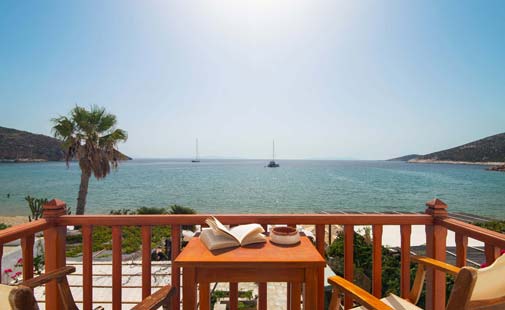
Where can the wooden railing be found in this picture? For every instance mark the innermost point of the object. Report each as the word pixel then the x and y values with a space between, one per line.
pixel 434 219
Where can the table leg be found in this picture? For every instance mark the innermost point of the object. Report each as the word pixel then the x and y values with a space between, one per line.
pixel 311 289
pixel 233 295
pixel 320 288
pixel 262 292
pixel 294 295
pixel 204 295
pixel 189 288
pixel 288 296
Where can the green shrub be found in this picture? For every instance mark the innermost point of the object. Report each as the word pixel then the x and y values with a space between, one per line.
pixel 36 207
pixel 151 210
pixel 498 226
pixel 123 211
pixel 362 253
pixel 177 209
pixel 4 226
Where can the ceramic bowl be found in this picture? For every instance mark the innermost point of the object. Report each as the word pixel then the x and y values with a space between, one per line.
pixel 284 235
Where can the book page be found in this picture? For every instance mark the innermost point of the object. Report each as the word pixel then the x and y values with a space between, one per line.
pixel 219 228
pixel 244 232
pixel 214 241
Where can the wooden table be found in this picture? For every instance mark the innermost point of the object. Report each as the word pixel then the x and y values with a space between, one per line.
pixel 264 262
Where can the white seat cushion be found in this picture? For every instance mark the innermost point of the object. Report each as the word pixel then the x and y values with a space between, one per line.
pixel 396 303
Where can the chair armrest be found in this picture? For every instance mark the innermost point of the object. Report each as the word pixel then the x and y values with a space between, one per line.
pixel 364 298
pixel 154 301
pixel 430 262
pixel 48 277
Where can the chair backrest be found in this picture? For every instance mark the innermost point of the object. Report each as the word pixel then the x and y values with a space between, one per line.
pixel 479 288
pixel 17 298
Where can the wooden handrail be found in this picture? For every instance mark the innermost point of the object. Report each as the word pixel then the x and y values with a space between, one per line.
pixel 236 219
pixel 23 230
pixel 472 231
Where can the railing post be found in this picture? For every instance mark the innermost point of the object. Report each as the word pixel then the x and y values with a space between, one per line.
pixel 54 244
pixel 436 238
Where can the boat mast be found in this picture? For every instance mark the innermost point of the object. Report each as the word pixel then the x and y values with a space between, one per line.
pixel 273 150
pixel 197 156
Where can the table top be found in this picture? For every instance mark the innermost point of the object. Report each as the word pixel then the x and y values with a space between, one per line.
pixel 302 254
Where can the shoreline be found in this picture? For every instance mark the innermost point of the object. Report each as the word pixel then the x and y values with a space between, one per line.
pixel 451 162
pixel 13 220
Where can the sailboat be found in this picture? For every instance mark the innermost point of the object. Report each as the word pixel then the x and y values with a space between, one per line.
pixel 197 157
pixel 272 163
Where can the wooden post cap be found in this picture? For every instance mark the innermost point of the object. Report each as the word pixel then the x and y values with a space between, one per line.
pixel 436 207
pixel 54 208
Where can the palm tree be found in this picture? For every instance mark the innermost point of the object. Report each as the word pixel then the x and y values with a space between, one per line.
pixel 89 137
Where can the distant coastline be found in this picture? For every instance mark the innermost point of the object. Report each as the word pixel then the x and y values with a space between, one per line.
pixel 453 162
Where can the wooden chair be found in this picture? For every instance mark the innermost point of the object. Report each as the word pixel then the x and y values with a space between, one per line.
pixel 473 288
pixel 21 297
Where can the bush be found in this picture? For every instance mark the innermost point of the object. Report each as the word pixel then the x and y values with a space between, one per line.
pixel 36 207
pixel 4 226
pixel 177 209
pixel 498 226
pixel 151 210
pixel 391 260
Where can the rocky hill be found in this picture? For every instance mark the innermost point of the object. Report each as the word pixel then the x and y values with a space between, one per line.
pixel 405 158
pixel 26 146
pixel 17 145
pixel 487 150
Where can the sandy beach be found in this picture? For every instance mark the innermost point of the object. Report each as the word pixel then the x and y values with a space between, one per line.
pixel 13 220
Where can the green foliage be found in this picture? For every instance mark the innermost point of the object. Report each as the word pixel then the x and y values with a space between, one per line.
pixel 177 209
pixel 123 211
pixel 218 294
pixel 151 210
pixel 36 206
pixel 4 226
pixel 363 262
pixel 498 226
pixel 363 265
pixel 131 235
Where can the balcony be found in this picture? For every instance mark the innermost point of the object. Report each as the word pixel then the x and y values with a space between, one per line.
pixel 54 227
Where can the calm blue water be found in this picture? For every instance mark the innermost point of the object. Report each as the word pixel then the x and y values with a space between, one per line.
pixel 245 186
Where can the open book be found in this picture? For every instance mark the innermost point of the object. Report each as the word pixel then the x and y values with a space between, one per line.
pixel 220 237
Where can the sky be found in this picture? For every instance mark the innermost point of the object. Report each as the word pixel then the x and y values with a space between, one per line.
pixel 325 79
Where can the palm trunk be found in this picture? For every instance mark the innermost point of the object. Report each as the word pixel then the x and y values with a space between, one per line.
pixel 83 192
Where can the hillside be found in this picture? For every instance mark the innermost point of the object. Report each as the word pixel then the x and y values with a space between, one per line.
pixel 25 146
pixel 22 145
pixel 487 150
pixel 405 158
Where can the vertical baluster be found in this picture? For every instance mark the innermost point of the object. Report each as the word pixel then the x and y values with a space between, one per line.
pixel 320 239
pixel 405 231
pixel 176 272
pixel 377 261
pixel 320 249
pixel 146 261
pixel 87 267
pixel 491 252
pixel 329 234
pixel 348 260
pixel 27 250
pixel 233 295
pixel 461 249
pixel 116 268
pixel 1 257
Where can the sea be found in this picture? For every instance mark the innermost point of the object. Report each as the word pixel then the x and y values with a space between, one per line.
pixel 247 186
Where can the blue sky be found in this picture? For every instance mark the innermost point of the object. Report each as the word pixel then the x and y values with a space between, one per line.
pixel 326 79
